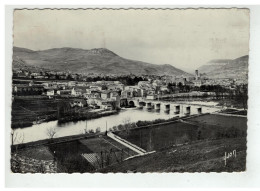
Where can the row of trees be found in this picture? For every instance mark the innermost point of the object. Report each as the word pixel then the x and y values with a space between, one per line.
pixel 126 80
pixel 203 88
pixel 128 125
pixel 239 93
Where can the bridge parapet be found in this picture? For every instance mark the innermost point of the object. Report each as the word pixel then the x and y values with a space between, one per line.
pixel 157 105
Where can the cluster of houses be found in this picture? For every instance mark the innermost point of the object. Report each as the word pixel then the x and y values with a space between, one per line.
pixel 111 94
pixel 99 94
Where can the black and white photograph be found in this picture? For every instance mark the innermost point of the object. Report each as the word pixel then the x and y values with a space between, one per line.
pixel 129 90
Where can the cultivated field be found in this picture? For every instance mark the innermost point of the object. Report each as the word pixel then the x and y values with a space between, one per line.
pixel 160 136
pixel 221 120
pixel 106 144
pixel 69 159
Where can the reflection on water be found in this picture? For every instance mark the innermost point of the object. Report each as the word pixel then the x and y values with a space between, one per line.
pixel 39 131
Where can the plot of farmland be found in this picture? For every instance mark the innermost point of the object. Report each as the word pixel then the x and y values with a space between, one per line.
pixel 69 158
pixel 220 126
pixel 160 136
pixel 221 120
pixel 106 144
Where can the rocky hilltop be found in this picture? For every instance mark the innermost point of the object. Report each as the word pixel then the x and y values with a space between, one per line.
pixel 226 68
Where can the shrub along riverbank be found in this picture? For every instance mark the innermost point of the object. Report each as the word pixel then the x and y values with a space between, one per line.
pixel 127 124
pixel 28 122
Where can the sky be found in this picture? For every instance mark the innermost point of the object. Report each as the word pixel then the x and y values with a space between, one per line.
pixel 183 38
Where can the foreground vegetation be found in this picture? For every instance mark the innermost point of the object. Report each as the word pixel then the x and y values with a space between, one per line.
pixel 200 156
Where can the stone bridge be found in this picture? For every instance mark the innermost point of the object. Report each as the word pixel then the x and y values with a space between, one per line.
pixel 160 105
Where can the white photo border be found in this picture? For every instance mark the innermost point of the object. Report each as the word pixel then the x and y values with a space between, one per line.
pixel 250 178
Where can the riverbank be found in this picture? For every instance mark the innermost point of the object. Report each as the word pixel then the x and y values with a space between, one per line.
pixel 87 115
pixel 31 110
pixel 142 124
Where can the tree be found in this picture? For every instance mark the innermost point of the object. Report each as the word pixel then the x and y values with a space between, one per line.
pixel 51 132
pixel 104 87
pixel 242 95
pixel 126 123
pixel 180 86
pixel 114 128
pixel 62 108
pixel 126 120
pixel 98 130
pixel 91 131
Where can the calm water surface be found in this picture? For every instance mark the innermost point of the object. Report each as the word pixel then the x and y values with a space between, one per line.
pixel 39 131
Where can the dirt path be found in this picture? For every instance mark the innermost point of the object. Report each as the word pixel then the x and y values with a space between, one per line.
pixel 126 143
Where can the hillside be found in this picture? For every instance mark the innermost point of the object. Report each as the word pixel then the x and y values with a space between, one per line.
pixel 202 156
pixel 225 68
pixel 99 60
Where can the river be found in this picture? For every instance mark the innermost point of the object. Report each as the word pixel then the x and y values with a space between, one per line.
pixel 39 131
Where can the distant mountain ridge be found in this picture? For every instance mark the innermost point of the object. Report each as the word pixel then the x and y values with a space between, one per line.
pixel 98 60
pixel 226 68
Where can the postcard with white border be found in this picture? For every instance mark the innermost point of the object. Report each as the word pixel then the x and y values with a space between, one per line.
pixel 129 90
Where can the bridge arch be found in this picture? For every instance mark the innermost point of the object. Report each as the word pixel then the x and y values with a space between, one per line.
pixel 142 103
pixel 131 103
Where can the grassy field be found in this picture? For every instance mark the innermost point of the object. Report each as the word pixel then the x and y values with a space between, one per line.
pixel 201 156
pixel 213 126
pixel 106 144
pixel 39 153
pixel 221 120
pixel 160 136
pixel 69 159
